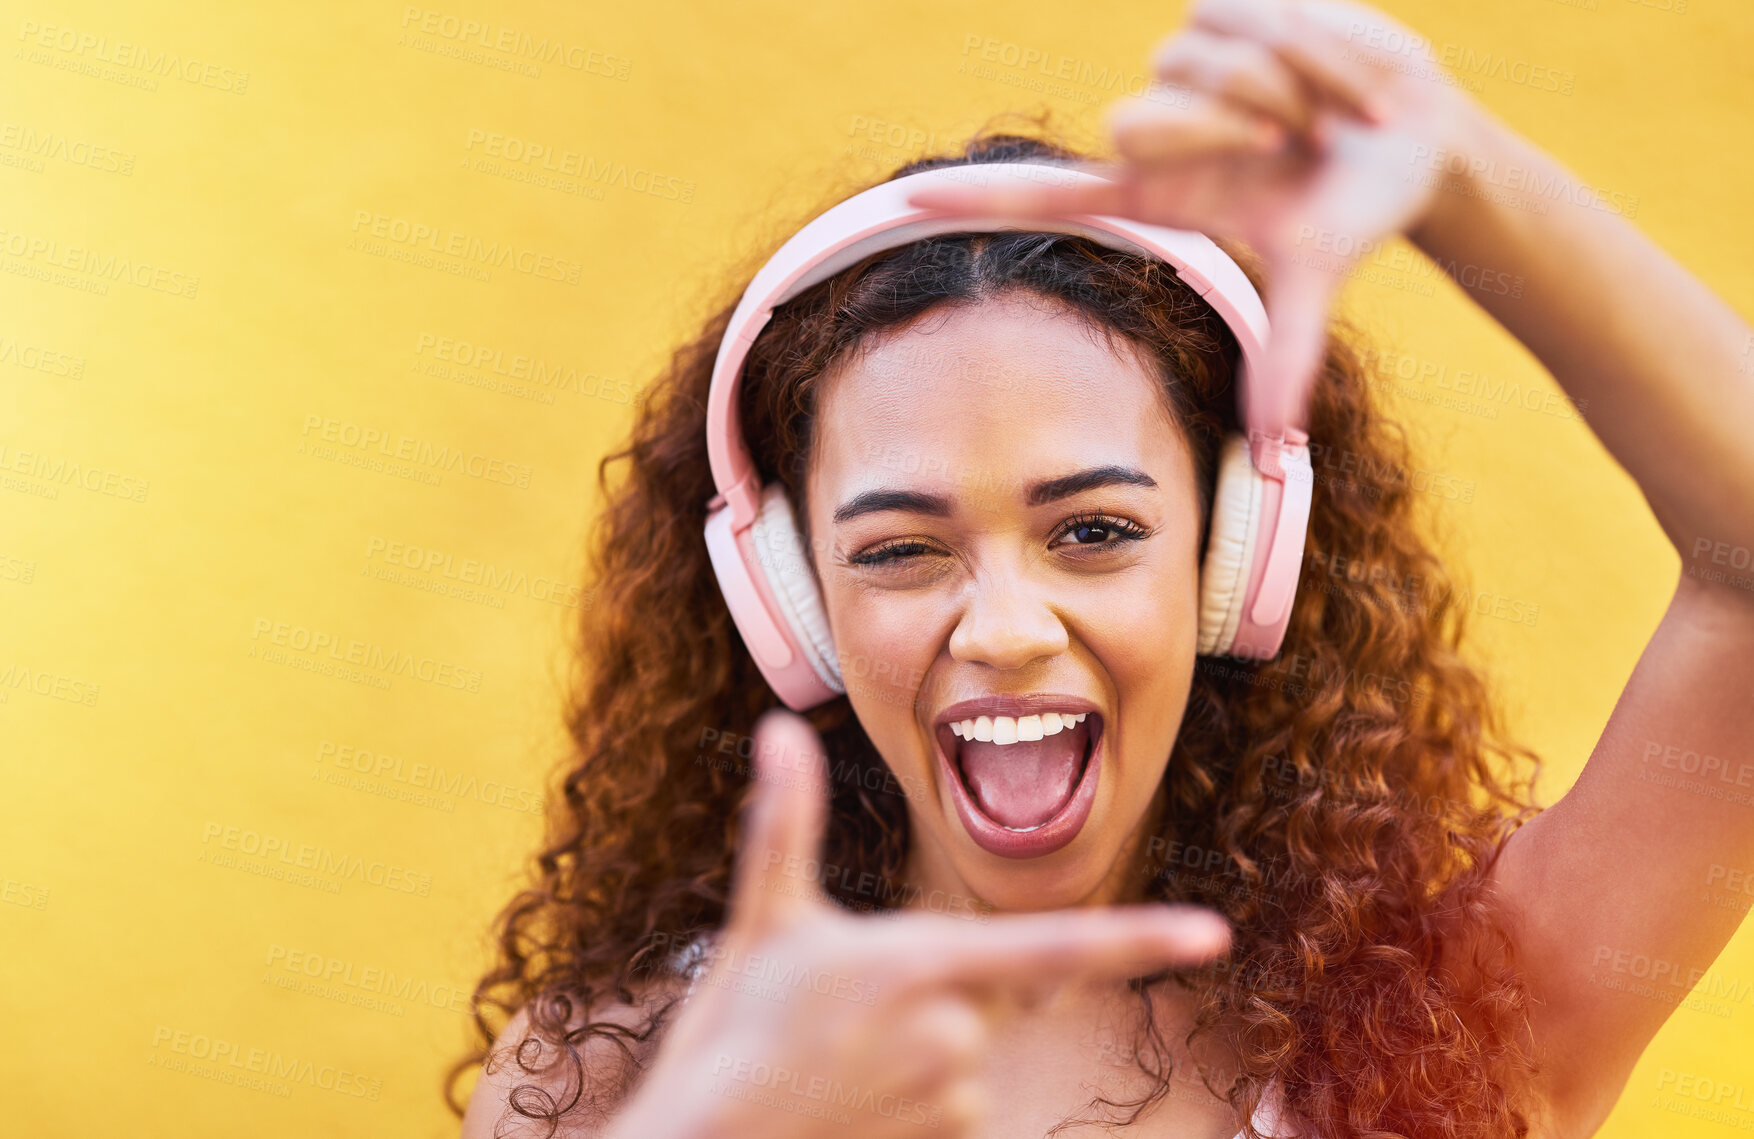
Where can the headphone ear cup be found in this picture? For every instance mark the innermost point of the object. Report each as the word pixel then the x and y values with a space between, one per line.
pixel 785 561
pixel 1230 547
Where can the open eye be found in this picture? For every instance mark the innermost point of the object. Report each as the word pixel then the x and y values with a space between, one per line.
pixel 1100 530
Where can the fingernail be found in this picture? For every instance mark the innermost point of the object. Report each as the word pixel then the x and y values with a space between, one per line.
pixel 1379 109
pixel 1216 935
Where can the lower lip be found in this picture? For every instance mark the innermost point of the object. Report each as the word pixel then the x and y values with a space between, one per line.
pixel 994 838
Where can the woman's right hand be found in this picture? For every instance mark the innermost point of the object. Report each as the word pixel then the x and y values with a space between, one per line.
pixel 811 1021
pixel 1309 129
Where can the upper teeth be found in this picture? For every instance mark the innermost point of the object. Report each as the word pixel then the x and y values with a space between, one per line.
pixel 1011 729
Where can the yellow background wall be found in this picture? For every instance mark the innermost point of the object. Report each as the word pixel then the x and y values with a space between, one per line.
pixel 205 303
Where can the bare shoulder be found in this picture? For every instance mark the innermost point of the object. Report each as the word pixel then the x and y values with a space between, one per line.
pixel 592 1086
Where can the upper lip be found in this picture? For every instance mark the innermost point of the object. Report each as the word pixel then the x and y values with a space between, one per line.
pixel 1031 704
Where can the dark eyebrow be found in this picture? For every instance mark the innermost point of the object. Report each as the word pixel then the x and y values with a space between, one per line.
pixel 873 501
pixel 1036 494
pixel 1052 490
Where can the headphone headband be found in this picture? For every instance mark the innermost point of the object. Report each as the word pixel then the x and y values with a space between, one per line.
pixel 880 219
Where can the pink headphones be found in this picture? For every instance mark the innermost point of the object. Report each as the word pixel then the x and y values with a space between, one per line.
pixel 1260 511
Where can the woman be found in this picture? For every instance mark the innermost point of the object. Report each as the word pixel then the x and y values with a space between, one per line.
pixel 1408 945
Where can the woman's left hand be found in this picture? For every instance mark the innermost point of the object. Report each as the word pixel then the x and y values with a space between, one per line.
pixel 1306 128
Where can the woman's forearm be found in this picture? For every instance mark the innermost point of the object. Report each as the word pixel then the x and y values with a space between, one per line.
pixel 1663 367
pixel 664 1111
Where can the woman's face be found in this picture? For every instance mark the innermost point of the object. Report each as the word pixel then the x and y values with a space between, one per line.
pixel 1006 528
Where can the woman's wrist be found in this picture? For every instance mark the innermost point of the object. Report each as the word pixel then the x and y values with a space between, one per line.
pixel 1478 169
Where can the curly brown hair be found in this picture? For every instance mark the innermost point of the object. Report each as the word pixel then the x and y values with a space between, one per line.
pixel 1341 805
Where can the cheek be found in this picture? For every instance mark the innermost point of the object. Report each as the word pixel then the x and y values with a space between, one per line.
pixel 885 645
pixel 1148 610
pixel 1147 644
pixel 1145 640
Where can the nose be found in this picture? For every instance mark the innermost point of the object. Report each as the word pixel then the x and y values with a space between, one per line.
pixel 1006 623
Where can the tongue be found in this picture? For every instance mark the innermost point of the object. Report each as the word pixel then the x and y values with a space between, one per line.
pixel 1023 785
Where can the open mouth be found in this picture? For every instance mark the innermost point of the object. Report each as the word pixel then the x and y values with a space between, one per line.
pixel 1023 786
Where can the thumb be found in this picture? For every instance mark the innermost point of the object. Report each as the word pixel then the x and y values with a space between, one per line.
pixel 786 815
pixel 1299 295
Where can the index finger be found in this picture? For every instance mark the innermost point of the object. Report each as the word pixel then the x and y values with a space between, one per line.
pixel 1040 197
pixel 1109 942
